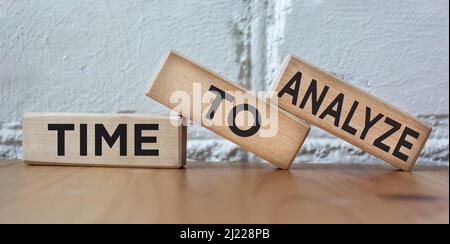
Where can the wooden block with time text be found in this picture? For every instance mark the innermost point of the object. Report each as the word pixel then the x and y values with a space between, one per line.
pixel 122 140
pixel 350 113
pixel 228 110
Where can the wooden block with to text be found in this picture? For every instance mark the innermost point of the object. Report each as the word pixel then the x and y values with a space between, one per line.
pixel 228 110
pixel 122 140
pixel 350 113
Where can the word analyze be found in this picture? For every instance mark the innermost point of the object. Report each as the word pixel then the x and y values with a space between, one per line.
pixel 350 113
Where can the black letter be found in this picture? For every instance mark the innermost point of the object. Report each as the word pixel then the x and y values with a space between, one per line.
pixel 100 132
pixel 346 126
pixel 339 100
pixel 293 92
pixel 403 142
pixel 379 141
pixel 312 91
pixel 232 117
pixel 61 128
pixel 369 123
pixel 83 139
pixel 220 96
pixel 139 139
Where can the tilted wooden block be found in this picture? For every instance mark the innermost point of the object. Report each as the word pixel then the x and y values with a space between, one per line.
pixel 350 113
pixel 122 140
pixel 228 110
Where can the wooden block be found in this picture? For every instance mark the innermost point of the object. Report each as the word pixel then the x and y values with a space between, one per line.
pixel 122 140
pixel 228 110
pixel 350 113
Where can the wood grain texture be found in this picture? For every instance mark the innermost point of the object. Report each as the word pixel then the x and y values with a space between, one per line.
pixel 349 113
pixel 179 75
pixel 40 144
pixel 223 193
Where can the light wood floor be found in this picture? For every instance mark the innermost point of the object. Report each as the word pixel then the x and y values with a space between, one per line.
pixel 223 193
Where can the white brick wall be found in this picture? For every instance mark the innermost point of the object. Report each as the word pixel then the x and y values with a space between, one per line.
pixel 97 56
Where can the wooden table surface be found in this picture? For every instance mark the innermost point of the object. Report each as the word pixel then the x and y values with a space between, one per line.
pixel 223 193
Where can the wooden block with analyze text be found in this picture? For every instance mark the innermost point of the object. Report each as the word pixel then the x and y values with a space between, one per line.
pixel 228 110
pixel 121 140
pixel 350 113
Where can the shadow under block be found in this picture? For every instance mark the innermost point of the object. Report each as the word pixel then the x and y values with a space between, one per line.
pixel 228 110
pixel 349 113
pixel 119 140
